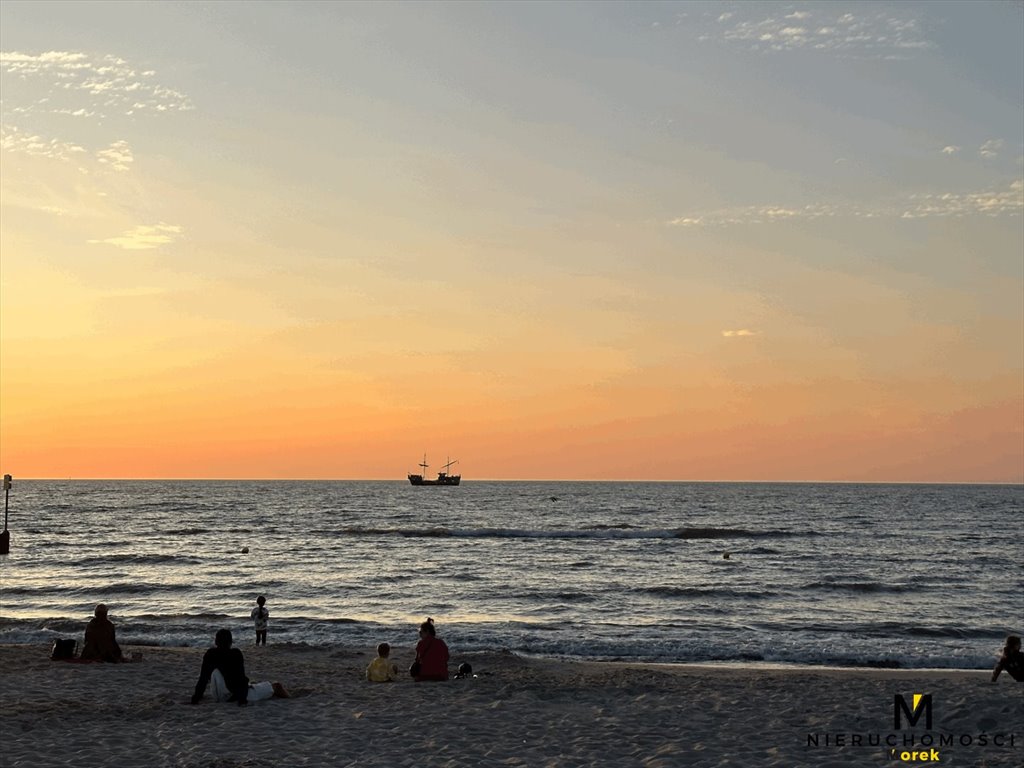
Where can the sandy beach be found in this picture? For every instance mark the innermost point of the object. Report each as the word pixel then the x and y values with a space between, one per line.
pixel 515 712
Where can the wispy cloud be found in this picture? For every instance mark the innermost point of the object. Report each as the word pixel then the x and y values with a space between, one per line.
pixel 990 148
pixel 94 85
pixel 14 140
pixel 78 85
pixel 1005 202
pixel 741 332
pixel 950 150
pixel 144 237
pixel 874 34
pixel 118 156
pixel 753 214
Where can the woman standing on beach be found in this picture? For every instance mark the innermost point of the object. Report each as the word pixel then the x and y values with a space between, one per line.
pixel 431 655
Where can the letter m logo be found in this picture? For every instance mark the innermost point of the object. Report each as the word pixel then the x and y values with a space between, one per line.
pixel 922 705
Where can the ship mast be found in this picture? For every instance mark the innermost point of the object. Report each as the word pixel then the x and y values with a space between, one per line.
pixel 424 465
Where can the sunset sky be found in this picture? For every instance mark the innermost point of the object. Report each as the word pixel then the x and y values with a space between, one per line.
pixel 665 241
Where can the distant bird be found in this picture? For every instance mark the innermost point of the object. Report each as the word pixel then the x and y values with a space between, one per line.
pixel 554 498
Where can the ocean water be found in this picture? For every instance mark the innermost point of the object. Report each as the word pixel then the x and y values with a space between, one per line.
pixel 909 576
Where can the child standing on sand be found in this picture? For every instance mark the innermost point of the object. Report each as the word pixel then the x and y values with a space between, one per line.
pixel 260 615
pixel 381 669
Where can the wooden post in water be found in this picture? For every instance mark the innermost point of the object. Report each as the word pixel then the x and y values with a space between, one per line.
pixel 5 537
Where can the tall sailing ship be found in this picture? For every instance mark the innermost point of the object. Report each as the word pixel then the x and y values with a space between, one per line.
pixel 443 477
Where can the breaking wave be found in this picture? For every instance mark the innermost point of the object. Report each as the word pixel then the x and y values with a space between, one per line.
pixel 597 532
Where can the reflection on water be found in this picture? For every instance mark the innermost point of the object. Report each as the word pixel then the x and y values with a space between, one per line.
pixel 913 575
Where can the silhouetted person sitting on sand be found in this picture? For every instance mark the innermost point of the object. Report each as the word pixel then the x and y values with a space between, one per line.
pixel 224 668
pixel 1012 661
pixel 431 655
pixel 100 643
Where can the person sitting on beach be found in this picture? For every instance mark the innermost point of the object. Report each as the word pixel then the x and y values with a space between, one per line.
pixel 224 667
pixel 381 669
pixel 100 641
pixel 1012 660
pixel 431 654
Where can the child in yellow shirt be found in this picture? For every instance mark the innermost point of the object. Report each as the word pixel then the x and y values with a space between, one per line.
pixel 381 670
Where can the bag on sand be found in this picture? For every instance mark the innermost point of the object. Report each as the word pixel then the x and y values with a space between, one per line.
pixel 63 649
pixel 414 670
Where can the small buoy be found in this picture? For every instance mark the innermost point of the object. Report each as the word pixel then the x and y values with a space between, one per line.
pixel 245 551
pixel 725 555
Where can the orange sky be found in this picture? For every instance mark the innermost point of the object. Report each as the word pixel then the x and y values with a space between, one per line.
pixel 569 242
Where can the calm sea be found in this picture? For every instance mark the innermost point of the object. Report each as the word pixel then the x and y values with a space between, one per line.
pixel 830 574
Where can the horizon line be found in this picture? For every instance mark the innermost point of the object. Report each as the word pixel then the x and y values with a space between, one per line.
pixel 519 480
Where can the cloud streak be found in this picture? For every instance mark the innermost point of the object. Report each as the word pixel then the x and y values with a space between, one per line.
pixel 990 148
pixel 742 332
pixel 118 156
pixel 78 85
pixel 95 85
pixel 143 237
pixel 14 140
pixel 1005 202
pixel 876 34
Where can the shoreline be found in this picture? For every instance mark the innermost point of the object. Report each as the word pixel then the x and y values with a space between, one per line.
pixel 748 664
pixel 516 710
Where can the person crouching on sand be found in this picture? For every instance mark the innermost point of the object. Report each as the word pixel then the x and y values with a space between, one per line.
pixel 381 669
pixel 100 641
pixel 1012 660
pixel 431 655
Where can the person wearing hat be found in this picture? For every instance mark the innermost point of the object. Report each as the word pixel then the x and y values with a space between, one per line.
pixel 100 642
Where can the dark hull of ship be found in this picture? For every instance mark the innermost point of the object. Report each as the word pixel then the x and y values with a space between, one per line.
pixel 441 480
